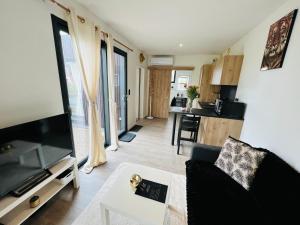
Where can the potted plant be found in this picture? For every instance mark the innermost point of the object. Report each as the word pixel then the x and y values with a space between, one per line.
pixel 192 93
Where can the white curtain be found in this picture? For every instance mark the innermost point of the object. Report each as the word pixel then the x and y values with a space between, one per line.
pixel 112 102
pixel 87 45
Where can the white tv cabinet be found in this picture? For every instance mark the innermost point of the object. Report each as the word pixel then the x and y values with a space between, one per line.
pixel 15 210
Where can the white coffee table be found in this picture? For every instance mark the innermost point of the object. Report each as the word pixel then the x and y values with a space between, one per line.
pixel 120 197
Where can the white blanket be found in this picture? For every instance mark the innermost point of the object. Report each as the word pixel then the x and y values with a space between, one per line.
pixel 176 213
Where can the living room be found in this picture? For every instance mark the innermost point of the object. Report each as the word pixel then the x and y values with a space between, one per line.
pixel 82 132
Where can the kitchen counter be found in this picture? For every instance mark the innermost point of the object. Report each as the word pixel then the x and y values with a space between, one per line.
pixel 212 113
pixel 208 112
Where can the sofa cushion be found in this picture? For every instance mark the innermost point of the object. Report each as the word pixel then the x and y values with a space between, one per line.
pixel 206 153
pixel 240 161
pixel 215 198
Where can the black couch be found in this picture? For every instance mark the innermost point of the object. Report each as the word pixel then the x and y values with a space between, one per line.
pixel 214 198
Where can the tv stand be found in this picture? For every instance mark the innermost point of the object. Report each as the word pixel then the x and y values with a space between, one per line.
pixel 15 210
pixel 31 183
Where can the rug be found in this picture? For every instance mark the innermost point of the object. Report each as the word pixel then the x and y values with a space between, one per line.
pixel 136 128
pixel 128 137
pixel 176 212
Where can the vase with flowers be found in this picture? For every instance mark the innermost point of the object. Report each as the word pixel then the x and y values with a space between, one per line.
pixel 192 93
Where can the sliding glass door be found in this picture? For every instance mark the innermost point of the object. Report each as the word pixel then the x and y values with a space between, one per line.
pixel 121 89
pixel 74 99
pixel 103 95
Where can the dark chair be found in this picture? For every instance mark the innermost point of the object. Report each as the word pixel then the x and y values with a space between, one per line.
pixel 191 124
pixel 181 102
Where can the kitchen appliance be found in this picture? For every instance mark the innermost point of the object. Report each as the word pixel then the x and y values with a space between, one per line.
pixel 230 109
pixel 227 92
pixel 218 106
pixel 207 105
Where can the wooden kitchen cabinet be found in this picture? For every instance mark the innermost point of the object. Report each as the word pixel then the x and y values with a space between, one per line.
pixel 215 130
pixel 227 70
pixel 208 92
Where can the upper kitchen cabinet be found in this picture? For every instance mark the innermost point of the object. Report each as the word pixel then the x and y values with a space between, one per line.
pixel 208 92
pixel 227 70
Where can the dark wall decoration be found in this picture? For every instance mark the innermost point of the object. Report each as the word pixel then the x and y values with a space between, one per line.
pixel 278 40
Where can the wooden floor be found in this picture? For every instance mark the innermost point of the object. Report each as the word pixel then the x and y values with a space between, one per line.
pixel 151 147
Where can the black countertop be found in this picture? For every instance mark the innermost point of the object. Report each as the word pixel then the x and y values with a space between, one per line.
pixel 212 113
pixel 203 112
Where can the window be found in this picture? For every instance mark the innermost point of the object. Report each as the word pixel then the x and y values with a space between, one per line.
pixel 121 89
pixel 73 96
pixel 182 83
pixel 173 76
pixel 103 95
pixel 77 99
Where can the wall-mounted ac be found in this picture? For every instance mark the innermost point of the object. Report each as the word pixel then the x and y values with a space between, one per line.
pixel 162 61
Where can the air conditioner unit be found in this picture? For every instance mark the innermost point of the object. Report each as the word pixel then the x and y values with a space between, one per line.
pixel 162 61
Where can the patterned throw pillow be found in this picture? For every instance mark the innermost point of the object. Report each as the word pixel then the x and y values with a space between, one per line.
pixel 240 161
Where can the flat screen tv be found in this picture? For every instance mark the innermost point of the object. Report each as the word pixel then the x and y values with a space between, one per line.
pixel 28 149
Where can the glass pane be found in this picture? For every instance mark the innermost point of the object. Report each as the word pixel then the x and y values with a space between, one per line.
pixel 173 76
pixel 103 96
pixel 120 90
pixel 182 83
pixel 77 99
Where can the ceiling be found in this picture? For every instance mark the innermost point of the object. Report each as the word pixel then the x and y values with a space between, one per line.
pixel 201 26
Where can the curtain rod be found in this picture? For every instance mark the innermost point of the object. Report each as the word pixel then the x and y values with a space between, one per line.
pixel 83 20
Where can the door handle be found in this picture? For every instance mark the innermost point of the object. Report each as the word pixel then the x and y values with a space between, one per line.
pixel 70 110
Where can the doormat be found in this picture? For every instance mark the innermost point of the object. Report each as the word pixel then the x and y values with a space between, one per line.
pixel 128 137
pixel 136 128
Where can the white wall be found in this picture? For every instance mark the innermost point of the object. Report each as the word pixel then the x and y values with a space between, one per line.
pixel 194 60
pixel 29 81
pixel 272 117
